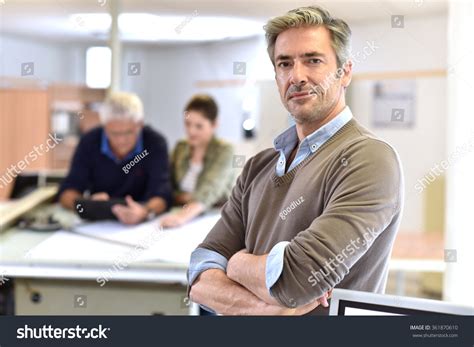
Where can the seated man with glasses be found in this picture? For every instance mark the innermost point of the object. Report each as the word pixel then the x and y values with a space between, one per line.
pixel 121 159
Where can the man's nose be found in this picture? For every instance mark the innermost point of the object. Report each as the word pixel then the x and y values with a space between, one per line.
pixel 298 75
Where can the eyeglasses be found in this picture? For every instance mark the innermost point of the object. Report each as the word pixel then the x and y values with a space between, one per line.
pixel 116 134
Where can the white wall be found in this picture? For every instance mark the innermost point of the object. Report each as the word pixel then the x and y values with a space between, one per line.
pixel 169 75
pixel 421 45
pixel 459 238
pixel 53 62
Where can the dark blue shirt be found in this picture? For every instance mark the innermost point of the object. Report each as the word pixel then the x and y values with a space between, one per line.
pixel 143 174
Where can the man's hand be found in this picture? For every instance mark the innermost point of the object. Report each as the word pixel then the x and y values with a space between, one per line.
pixel 172 220
pixel 68 198
pixel 301 310
pixel 249 271
pixel 102 196
pixel 133 213
pixel 187 213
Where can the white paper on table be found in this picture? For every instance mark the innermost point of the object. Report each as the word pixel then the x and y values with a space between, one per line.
pixel 64 246
pixel 176 245
pixel 110 230
pixel 146 241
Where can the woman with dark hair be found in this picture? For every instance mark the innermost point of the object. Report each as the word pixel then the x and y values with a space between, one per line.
pixel 201 165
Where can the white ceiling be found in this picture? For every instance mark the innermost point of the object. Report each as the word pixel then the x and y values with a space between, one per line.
pixel 51 18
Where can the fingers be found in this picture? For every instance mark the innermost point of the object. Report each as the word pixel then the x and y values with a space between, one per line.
pixel 171 221
pixel 119 209
pixel 306 308
pixel 167 221
pixel 128 219
pixel 102 196
pixel 130 201
pixel 123 214
pixel 323 301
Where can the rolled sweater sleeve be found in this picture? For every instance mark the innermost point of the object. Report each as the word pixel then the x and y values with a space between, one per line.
pixel 203 259
pixel 363 194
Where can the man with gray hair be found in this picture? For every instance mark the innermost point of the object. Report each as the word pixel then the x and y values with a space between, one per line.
pixel 348 183
pixel 121 159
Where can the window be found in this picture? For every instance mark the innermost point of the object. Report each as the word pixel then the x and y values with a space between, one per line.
pixel 98 67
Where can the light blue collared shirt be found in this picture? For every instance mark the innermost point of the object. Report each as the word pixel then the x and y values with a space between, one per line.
pixel 105 148
pixel 203 259
pixel 286 141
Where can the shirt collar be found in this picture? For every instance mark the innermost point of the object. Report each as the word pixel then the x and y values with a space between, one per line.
pixel 106 150
pixel 289 137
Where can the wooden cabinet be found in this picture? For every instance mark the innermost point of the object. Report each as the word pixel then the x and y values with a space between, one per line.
pixel 26 131
pixel 25 123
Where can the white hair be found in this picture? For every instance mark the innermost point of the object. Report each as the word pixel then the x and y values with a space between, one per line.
pixel 121 106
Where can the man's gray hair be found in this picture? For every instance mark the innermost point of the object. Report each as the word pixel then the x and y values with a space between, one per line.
pixel 311 16
pixel 121 105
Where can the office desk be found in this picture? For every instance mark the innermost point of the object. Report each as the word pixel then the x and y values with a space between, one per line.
pixel 71 287
pixel 416 252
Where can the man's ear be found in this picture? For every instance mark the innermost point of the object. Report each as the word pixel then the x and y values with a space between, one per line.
pixel 347 77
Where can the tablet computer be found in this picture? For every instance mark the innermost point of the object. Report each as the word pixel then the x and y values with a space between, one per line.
pixel 97 209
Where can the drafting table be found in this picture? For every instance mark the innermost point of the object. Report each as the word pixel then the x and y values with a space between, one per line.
pixel 69 285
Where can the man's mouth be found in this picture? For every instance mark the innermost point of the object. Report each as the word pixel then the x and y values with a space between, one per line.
pixel 300 95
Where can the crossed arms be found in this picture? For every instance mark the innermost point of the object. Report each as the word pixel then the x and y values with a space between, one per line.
pixel 242 290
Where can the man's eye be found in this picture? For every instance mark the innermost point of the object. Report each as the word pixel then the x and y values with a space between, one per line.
pixel 283 64
pixel 315 61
